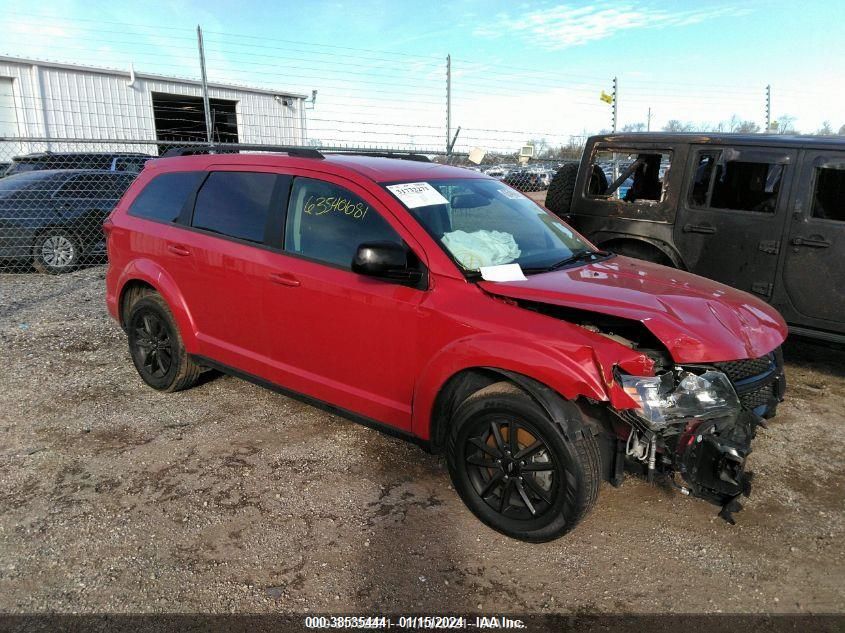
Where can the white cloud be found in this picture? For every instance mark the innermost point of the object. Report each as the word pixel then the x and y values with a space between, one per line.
pixel 566 25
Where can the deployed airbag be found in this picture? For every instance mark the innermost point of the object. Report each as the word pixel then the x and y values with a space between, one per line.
pixel 481 248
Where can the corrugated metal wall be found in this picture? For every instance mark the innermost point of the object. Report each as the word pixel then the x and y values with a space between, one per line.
pixel 63 103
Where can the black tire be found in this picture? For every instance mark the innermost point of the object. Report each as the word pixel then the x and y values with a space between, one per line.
pixel 56 251
pixel 561 189
pixel 532 493
pixel 156 346
pixel 640 250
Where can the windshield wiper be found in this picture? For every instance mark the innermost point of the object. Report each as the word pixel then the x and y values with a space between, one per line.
pixel 575 257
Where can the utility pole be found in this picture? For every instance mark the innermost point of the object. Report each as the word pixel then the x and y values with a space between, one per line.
pixel 205 102
pixel 615 102
pixel 768 108
pixel 448 105
pixel 648 121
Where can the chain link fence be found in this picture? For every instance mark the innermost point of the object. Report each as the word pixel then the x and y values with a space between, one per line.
pixel 56 193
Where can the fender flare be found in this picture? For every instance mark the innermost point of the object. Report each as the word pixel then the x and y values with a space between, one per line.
pixel 149 272
pixel 564 413
pixel 603 237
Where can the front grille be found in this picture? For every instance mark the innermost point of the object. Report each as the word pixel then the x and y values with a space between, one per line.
pixel 755 379
pixel 738 370
pixel 753 399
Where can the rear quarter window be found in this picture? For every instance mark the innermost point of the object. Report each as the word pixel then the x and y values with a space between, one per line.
pixel 165 195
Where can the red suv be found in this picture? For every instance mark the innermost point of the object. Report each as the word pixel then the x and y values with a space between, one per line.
pixel 440 304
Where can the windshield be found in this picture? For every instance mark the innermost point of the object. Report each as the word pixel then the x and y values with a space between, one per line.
pixel 486 223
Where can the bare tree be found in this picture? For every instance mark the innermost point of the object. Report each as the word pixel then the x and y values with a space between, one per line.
pixel 634 127
pixel 674 125
pixel 825 129
pixel 786 124
pixel 841 131
pixel 746 127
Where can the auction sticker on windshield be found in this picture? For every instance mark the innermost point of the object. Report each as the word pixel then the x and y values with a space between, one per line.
pixel 511 194
pixel 417 194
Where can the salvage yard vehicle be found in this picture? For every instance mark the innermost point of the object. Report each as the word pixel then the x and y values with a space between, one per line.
pixel 54 218
pixel 762 213
pixel 441 305
pixel 129 162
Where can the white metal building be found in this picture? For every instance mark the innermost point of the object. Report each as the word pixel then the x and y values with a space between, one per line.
pixel 48 100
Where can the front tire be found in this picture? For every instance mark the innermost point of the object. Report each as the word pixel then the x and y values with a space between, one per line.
pixel 514 469
pixel 156 346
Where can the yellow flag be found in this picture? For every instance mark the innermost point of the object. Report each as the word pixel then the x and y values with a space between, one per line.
pixel 606 97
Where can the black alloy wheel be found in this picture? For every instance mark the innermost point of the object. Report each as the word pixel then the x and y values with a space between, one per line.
pixel 153 345
pixel 156 346
pixel 515 470
pixel 511 469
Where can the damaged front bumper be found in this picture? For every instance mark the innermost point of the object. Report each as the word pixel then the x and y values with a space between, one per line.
pixel 710 454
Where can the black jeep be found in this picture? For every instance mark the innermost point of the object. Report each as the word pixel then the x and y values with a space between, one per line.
pixel 765 214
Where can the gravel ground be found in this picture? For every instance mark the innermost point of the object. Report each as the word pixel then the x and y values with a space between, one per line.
pixel 231 498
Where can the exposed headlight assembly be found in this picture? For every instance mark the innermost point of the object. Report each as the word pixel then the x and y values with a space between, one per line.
pixel 681 395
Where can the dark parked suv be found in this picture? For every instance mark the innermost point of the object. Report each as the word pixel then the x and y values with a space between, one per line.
pixel 54 218
pixel 130 162
pixel 765 214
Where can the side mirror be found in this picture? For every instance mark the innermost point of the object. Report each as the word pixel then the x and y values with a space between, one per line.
pixel 386 260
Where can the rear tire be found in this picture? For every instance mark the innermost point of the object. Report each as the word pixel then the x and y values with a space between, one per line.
pixel 561 189
pixel 156 346
pixel 514 469
pixel 56 251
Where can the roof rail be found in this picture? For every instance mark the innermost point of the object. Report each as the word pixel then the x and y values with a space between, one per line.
pixel 409 155
pixel 230 148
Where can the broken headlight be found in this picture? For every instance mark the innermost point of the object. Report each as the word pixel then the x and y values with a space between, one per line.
pixel 681 395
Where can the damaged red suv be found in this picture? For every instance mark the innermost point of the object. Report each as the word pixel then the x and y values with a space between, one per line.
pixel 444 306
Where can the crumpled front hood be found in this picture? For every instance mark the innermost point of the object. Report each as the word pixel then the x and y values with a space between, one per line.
pixel 698 320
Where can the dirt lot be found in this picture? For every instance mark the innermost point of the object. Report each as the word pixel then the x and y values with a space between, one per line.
pixel 228 497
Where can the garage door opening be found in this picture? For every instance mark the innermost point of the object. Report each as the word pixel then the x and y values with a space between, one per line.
pixel 182 118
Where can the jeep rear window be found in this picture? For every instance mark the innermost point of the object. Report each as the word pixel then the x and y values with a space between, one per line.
pixel 738 185
pixel 165 195
pixel 829 194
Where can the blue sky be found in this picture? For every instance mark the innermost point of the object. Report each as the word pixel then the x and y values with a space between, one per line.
pixel 517 67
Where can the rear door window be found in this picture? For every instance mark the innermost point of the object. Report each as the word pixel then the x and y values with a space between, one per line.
pixel 829 194
pixel 165 195
pixel 727 180
pixel 235 204
pixel 93 187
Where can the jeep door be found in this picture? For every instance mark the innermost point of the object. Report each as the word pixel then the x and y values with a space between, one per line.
pixel 732 212
pixel 814 262
pixel 336 335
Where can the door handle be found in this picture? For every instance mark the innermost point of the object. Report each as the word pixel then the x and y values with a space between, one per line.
pixel 178 249
pixel 810 241
pixel 699 228
pixel 284 279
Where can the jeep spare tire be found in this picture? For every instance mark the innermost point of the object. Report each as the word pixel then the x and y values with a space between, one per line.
pixel 559 195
